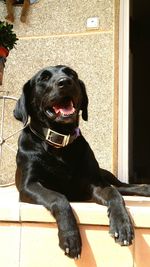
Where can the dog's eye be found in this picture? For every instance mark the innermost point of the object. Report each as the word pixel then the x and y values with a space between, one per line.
pixel 45 76
pixel 70 72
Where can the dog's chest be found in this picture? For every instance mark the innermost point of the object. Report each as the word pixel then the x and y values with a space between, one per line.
pixel 60 169
pixel 61 174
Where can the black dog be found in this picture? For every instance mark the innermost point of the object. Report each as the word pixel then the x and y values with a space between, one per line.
pixel 56 165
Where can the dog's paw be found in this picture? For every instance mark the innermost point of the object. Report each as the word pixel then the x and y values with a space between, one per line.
pixel 121 228
pixel 23 18
pixel 70 242
pixel 10 18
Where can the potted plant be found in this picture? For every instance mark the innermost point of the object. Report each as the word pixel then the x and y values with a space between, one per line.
pixel 8 41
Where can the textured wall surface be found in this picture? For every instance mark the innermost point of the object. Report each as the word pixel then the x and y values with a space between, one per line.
pixel 55 33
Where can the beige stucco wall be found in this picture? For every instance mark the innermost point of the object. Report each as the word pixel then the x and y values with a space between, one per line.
pixel 55 33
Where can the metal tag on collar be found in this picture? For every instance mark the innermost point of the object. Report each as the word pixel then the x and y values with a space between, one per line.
pixel 65 138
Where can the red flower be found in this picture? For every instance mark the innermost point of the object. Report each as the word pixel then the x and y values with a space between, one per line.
pixel 3 51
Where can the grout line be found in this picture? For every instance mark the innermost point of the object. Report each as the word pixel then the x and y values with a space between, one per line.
pixel 20 245
pixel 133 255
pixel 20 239
pixel 64 35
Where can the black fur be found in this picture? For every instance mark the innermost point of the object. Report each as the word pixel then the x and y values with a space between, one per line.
pixel 53 176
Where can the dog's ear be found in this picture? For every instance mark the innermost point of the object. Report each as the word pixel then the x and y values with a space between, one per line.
pixel 21 110
pixel 84 103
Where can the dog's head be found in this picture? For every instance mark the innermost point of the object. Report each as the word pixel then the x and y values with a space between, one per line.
pixel 54 96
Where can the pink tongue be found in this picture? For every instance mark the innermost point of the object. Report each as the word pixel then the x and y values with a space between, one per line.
pixel 66 110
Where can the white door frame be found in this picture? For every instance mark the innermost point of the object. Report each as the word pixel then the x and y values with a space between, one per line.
pixel 123 109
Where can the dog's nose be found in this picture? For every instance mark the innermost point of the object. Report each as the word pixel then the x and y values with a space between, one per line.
pixel 64 81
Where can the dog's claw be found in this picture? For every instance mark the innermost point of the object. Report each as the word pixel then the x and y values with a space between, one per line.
pixel 126 243
pixel 67 251
pixel 116 235
pixel 78 257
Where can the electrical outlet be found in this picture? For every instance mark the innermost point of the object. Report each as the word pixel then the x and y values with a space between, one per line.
pixel 93 23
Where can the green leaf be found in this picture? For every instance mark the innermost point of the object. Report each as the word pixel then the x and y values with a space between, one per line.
pixel 8 38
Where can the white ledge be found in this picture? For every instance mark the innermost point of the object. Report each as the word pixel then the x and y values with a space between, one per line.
pixel 86 213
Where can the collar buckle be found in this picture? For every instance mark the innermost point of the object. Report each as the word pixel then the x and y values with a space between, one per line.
pixel 57 139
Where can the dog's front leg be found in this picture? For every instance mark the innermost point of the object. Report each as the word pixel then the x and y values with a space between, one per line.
pixel 121 227
pixel 10 13
pixel 68 232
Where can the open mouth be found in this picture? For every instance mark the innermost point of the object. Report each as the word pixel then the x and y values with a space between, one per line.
pixel 62 110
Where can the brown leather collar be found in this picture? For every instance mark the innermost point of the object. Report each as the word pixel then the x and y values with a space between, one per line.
pixel 54 138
